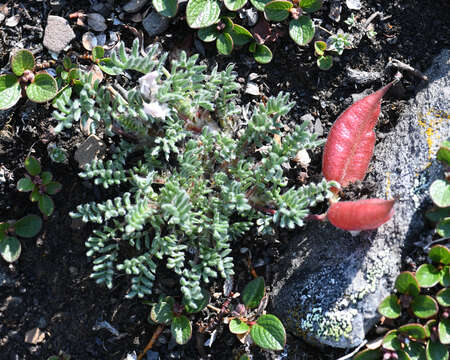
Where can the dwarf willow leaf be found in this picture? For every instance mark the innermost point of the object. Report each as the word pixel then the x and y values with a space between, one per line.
pixel 237 326
pixel 28 226
pixel 310 6
pixel 21 61
pixel 10 249
pixel 253 292
pixel 277 10
pixel 208 34
pixel 390 307
pixel 262 54
pixel 43 88
pixel 32 165
pixel 259 4
pixel 440 193
pixel 427 275
pixel 325 62
pixel 234 5
pixel 181 329
pixel 301 30
pixel 424 306
pixel 168 8
pixel 240 35
pixel 202 13
pixel 269 333
pixel 10 91
pixel 224 44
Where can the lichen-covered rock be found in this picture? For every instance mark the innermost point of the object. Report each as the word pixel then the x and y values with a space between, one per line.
pixel 329 287
pixel 58 33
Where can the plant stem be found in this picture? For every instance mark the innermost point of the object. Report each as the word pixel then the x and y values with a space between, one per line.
pixel 152 341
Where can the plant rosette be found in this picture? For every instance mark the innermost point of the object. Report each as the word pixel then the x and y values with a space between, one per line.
pixel 40 185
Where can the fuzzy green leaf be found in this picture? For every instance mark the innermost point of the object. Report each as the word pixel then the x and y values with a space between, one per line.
pixel 234 5
pixel 10 249
pixel 310 6
pixel 10 91
pixel 202 13
pixel 46 177
pixel 268 333
pixel 224 44
pixel 28 226
pixel 53 187
pixel 439 254
pixel 444 331
pixel 237 326
pixel 416 331
pixel 406 283
pixel 424 306
pixel 436 351
pixel 443 228
pixel 325 62
pixel 46 205
pixel 253 292
pixel 443 153
pixel 240 35
pixel 277 10
pixel 22 60
pixel 369 355
pixel 262 54
pixel 301 30
pixel 32 165
pixel 167 8
pixel 259 4
pixel 181 329
pixel 443 297
pixel 25 184
pixel 162 312
pixel 427 275
pixel 390 307
pixel 43 88
pixel 208 34
pixel 200 304
pixel 440 193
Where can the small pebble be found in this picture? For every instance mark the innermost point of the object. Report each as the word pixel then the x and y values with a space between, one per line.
pixel 134 6
pixel 96 22
pixel 12 21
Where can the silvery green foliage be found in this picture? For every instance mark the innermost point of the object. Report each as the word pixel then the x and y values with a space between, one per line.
pixel 188 186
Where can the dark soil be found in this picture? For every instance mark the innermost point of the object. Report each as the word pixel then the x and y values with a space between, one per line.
pixel 49 286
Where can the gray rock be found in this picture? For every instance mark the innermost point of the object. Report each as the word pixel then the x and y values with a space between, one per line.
pixel 58 33
pixel 329 286
pixel 362 77
pixel 155 24
pixel 89 150
pixel 134 6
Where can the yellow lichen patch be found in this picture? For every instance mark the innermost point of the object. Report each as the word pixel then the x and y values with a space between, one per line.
pixel 388 185
pixel 430 122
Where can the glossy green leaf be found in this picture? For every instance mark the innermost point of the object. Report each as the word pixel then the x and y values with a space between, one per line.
pixel 443 153
pixel 443 297
pixel 46 177
pixel 25 184
pixel 28 226
pixel 406 283
pixel 10 91
pixel 10 249
pixel 240 35
pixel 301 30
pixel 416 331
pixel 208 34
pixel 310 6
pixel 98 53
pixel 402 355
pixel 237 326
pixel 391 341
pixel 429 325
pixel 253 292
pixel 35 195
pixel 167 8
pixel 427 275
pixel 228 24
pixel 320 47
pixel 162 312
pixel 325 62
pixel 53 187
pixel 268 333
pixel 437 214
pixel 244 357
pixel 368 354
pixel 424 306
pixel 181 329
pixel 32 165
pixel 390 307
pixel 443 228
pixel 67 63
pixel 415 350
pixel 444 331
pixel 200 304
pixel 22 60
pixel 4 226
pixel 262 54
pixel 277 10
pixel 439 254
pixel 259 4
pixel 224 44
pixel 436 351
pixel 46 205
pixel 440 193
pixel 445 276
pixel 202 13
pixel 234 5
pixel 42 89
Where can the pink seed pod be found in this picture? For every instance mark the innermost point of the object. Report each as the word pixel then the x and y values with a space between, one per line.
pixel 360 215
pixel 351 140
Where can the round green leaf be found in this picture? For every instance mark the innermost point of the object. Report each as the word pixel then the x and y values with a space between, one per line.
pixel 440 193
pixel 98 53
pixel 310 6
pixel 443 297
pixel 43 88
pixel 325 62
pixel 444 331
pixel 10 249
pixel 10 91
pixel 429 325
pixel 415 350
pixel 369 355
pixel 234 5
pixel 167 8
pixel 224 44
pixel 228 24
pixel 320 47
pixel 436 214
pixel 53 187
pixel 181 329
pixel 262 54
pixel 162 312
pixel 424 306
pixel 301 30
pixel 443 153
pixel 240 35
pixel 238 327
pixel 439 254
pixel 35 195
pixel 202 13
pixel 46 177
pixel 208 34
pixel 427 275
pixel 436 351
pixel 67 63
pixel 268 333
pixel 277 10
pixel 445 276
pixel 416 331
pixel 46 205
pixel 443 228
pixel 253 292
pixel 406 283
pixel 390 307
pixel 402 355
pixel 391 341
pixel 32 165
pixel 25 184
pixel 21 61
pixel 200 304
pixel 259 4
pixel 28 226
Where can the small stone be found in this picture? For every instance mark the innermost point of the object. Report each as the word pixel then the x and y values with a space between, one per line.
pixel 302 158
pixel 42 322
pixel 335 10
pixel 34 336
pixel 362 77
pixel 152 355
pixel 308 118
pixel 252 89
pixel 12 21
pixel 134 6
pixel 155 24
pixel 318 128
pixel 252 17
pixel 89 40
pixel 58 34
pixel 96 22
pixel 353 4
pixel 89 150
